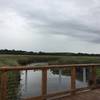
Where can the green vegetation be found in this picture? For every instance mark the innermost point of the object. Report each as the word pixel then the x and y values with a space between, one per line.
pixel 19 57
pixel 35 59
pixel 8 60
pixel 13 85
pixel 20 52
pixel 14 60
pixel 77 60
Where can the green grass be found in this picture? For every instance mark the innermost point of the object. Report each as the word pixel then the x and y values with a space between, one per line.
pixel 77 60
pixel 14 60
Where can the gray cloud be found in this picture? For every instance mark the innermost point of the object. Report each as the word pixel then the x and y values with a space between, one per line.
pixel 81 23
pixel 75 19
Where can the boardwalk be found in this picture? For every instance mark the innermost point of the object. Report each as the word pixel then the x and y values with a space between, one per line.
pixel 89 95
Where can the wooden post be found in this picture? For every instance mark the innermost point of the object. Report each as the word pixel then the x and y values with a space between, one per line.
pixel 73 79
pixel 3 86
pixel 44 83
pixel 93 77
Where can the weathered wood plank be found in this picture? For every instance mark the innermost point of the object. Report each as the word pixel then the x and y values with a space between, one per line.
pixel 91 95
pixel 44 83
pixel 93 77
pixel 33 98
pixel 73 79
pixel 17 68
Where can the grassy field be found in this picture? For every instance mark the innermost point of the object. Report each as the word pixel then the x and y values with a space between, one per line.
pixel 14 60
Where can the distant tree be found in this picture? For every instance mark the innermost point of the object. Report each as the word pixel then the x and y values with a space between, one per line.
pixel 21 52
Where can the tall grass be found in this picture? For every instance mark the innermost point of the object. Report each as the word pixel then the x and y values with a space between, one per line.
pixel 14 60
pixel 76 60
pixel 36 59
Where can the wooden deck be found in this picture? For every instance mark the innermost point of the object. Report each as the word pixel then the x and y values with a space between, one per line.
pixel 89 95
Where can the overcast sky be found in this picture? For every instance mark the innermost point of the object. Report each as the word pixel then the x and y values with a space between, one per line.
pixel 50 25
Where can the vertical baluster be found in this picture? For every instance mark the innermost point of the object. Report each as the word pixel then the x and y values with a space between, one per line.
pixel 93 77
pixel 44 83
pixel 3 86
pixel 73 79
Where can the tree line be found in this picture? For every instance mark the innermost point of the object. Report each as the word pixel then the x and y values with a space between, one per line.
pixel 21 52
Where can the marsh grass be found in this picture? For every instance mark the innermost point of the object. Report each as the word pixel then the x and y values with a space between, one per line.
pixel 14 60
pixel 77 60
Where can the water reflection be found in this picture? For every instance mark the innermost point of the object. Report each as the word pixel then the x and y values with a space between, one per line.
pixel 84 75
pixel 60 79
pixel 30 83
pixel 26 80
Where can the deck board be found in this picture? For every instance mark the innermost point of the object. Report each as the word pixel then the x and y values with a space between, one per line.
pixel 90 95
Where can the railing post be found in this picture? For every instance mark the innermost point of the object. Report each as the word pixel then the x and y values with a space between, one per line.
pixel 44 84
pixel 3 86
pixel 73 79
pixel 93 77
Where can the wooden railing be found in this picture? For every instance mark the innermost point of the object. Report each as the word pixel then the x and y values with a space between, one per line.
pixel 44 96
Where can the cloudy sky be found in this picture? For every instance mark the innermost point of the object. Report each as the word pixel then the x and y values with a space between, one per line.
pixel 50 25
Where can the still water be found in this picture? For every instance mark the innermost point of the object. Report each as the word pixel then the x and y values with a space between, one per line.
pixel 31 83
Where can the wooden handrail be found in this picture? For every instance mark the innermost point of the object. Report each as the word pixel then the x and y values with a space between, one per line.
pixel 44 69
pixel 17 68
